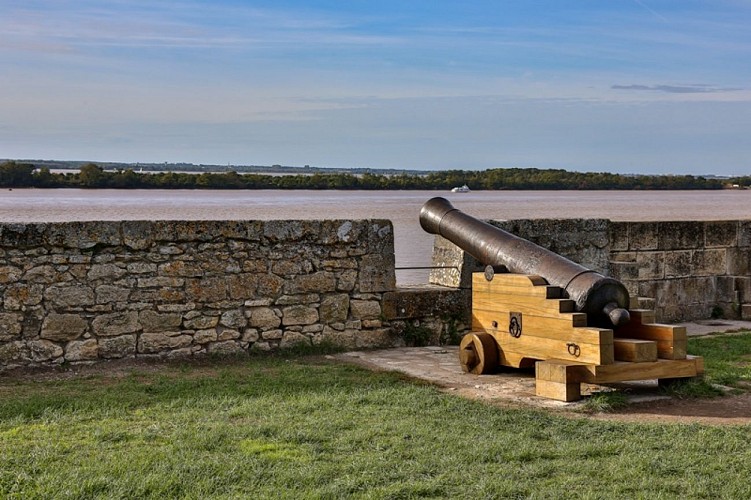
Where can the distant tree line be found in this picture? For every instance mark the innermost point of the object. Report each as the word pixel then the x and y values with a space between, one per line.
pixel 14 174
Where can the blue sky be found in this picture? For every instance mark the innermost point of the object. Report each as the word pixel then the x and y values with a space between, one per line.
pixel 628 86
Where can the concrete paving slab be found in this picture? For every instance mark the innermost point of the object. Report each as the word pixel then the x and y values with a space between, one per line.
pixel 710 326
pixel 440 366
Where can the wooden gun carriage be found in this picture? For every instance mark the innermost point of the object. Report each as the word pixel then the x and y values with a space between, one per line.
pixel 572 324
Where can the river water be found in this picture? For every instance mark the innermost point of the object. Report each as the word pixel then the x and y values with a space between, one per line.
pixel 413 245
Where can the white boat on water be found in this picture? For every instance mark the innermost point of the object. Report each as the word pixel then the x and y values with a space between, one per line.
pixel 462 189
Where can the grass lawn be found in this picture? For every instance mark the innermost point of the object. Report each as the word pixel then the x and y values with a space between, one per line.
pixel 306 428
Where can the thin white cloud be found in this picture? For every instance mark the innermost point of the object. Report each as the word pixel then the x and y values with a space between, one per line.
pixel 697 88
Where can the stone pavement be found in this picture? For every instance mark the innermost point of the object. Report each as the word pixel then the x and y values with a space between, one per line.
pixel 440 366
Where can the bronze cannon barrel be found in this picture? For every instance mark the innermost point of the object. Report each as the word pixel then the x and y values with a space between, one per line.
pixel 605 300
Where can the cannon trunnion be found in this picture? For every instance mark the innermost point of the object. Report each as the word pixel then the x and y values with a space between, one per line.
pixel 572 324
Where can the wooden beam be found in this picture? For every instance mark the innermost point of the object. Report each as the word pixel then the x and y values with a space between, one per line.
pixel 555 380
pixel 560 328
pixel 622 371
pixel 634 350
pixel 548 348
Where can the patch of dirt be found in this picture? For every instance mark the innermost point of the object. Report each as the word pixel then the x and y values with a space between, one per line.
pixel 733 410
pixel 110 370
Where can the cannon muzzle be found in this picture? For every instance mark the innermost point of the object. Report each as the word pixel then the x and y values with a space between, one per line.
pixel 604 299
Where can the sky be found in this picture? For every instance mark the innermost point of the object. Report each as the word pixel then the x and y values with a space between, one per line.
pixel 624 86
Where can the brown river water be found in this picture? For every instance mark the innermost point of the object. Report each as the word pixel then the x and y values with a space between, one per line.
pixel 413 245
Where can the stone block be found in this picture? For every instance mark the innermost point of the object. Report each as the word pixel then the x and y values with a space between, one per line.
pixel 137 234
pixel 299 315
pixel 258 302
pixel 709 262
pixel 42 274
pixel 725 287
pixel 10 326
pixel 182 269
pixel 225 348
pixel 251 335
pixel 84 235
pixel 14 352
pixel 152 321
pixel 44 350
pixel 289 268
pixel 197 321
pixel 739 261
pixel 110 325
pixel 377 273
pixel 374 338
pixel 21 295
pixel 153 343
pixel 424 301
pixel 642 236
pixel 746 312
pixel 81 350
pixel 272 334
pixel 117 347
pixel 742 285
pixel 721 234
pixel 380 236
pixel 277 231
pixel 207 290
pixel 365 309
pixel 19 235
pixel 338 231
pixel 10 274
pixel 242 286
pixel 623 271
pixel 65 296
pixel 257 266
pixel 233 319
pixel 141 267
pixel 294 339
pixel 106 294
pixel 334 308
pixel 680 235
pixel 347 281
pixel 63 327
pixel 344 339
pixel 263 317
pixel 108 272
pixel 744 233
pixel 685 298
pixel 172 249
pixel 678 264
pixel 320 282
pixel 160 282
pixel 453 267
pixel 618 236
pixel 228 334
pixel 204 336
pixel 652 265
pixel 290 300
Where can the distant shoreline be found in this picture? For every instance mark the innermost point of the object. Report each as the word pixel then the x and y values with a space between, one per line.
pixel 14 174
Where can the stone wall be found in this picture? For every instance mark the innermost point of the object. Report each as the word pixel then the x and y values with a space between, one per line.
pixel 684 270
pixel 691 270
pixel 83 291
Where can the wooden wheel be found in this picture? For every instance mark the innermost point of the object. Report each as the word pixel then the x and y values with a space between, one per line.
pixel 478 353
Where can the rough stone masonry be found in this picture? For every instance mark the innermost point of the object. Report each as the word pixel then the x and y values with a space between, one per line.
pixel 83 291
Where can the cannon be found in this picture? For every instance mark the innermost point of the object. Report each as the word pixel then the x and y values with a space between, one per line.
pixel 572 324
pixel 604 299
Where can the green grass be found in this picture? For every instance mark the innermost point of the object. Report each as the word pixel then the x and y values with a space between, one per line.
pixel 301 428
pixel 605 402
pixel 727 358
